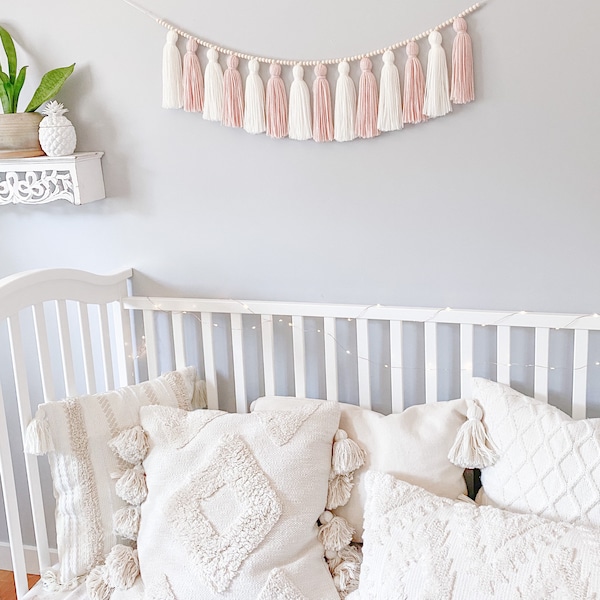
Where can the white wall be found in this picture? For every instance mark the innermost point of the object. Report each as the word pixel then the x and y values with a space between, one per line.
pixel 493 206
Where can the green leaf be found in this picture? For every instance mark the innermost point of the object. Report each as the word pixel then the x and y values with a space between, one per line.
pixel 18 87
pixel 50 85
pixel 11 53
pixel 6 102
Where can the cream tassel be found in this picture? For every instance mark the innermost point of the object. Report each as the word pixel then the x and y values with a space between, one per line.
pixel 131 486
pixel 347 454
pixel 389 116
pixel 334 532
pixel 437 94
pixel 213 87
pixel 472 448
pixel 122 567
pixel 339 489
pixel 172 73
pixel 38 439
pixel 254 114
pixel 126 522
pixel 299 119
pixel 97 585
pixel 344 116
pixel 131 445
pixel 193 83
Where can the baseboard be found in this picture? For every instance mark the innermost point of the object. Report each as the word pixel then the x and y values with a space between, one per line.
pixel 31 559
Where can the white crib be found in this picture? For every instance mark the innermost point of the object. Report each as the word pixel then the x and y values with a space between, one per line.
pixel 65 332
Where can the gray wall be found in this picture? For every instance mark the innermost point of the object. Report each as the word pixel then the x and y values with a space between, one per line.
pixel 494 206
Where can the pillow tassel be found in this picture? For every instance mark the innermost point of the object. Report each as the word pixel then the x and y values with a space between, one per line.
pixel 233 94
pixel 366 113
pixel 213 87
pixel 299 116
pixel 414 86
pixel 122 567
pixel 334 532
pixel 322 113
pixel 131 445
pixel 347 454
pixel 193 82
pixel 38 439
pixel 463 89
pixel 437 95
pixel 254 113
pixel 473 448
pixel 344 117
pixel 277 124
pixel 339 489
pixel 97 584
pixel 172 72
pixel 131 486
pixel 389 116
pixel 126 522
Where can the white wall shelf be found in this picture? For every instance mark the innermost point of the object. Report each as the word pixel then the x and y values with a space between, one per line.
pixel 76 178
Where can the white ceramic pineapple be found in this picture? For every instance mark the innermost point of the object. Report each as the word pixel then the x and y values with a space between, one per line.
pixel 57 134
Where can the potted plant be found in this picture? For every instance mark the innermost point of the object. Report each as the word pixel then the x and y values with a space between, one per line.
pixel 19 130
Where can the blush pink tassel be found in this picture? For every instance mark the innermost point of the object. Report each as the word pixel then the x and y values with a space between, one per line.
pixel 366 113
pixel 414 86
pixel 277 110
pixel 463 89
pixel 233 94
pixel 193 82
pixel 322 112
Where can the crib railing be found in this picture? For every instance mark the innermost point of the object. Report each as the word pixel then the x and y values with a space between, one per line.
pixel 66 332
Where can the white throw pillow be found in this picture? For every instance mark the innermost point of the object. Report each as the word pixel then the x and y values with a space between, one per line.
pixel 412 445
pixel 77 431
pixel 420 546
pixel 549 464
pixel 233 501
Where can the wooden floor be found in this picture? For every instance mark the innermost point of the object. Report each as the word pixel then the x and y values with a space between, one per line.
pixel 7 584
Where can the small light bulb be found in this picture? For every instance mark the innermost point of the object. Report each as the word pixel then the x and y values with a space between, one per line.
pixel 347 351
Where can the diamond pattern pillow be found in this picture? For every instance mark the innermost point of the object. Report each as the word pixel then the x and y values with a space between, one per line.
pixel 82 464
pixel 549 464
pixel 233 501
pixel 418 545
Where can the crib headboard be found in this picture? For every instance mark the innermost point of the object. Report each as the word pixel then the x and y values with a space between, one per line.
pixel 65 332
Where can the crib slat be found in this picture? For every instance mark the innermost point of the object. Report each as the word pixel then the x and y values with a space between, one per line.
pixel 11 507
pixel 503 354
pixel 150 343
pixel 397 376
pixel 41 336
pixel 466 360
pixel 86 346
pixel 331 369
pixel 580 361
pixel 542 353
pixel 268 350
pixel 210 372
pixel 239 375
pixel 31 463
pixel 178 340
pixel 299 356
pixel 66 350
pixel 123 344
pixel 431 378
pixel 362 350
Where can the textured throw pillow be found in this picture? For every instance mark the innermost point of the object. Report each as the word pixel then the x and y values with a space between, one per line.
pixel 549 464
pixel 420 546
pixel 233 501
pixel 412 445
pixel 75 433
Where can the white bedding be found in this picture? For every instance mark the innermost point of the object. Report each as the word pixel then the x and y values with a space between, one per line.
pixel 80 593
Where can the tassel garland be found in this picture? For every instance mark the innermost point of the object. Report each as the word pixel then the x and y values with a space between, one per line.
pixel 299 116
pixel 345 105
pixel 277 125
pixel 366 113
pixel 437 94
pixel 322 117
pixel 193 82
pixel 463 90
pixel 213 87
pixel 376 103
pixel 233 95
pixel 254 115
pixel 172 73
pixel 389 116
